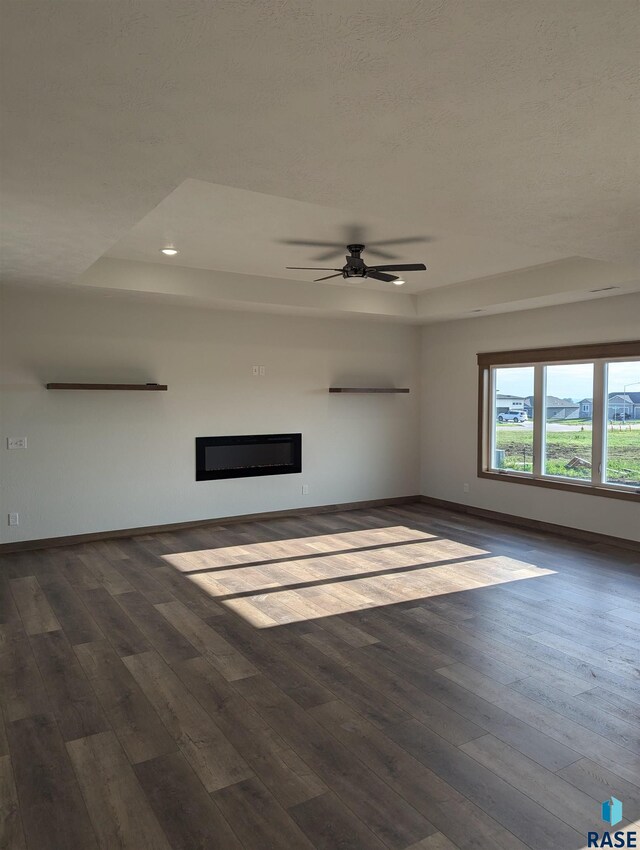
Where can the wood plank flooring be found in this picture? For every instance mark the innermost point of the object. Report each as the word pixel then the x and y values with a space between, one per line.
pixel 404 678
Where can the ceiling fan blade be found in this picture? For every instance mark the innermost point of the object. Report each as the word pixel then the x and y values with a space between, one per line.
pixel 376 275
pixel 329 255
pixel 403 267
pixel 314 268
pixel 406 240
pixel 313 244
pixel 374 252
pixel 327 277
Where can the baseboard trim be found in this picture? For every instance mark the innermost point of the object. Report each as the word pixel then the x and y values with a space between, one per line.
pixel 533 524
pixel 89 537
pixel 455 507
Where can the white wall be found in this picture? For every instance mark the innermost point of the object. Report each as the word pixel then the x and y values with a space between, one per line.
pixel 449 409
pixel 100 461
pixel 106 460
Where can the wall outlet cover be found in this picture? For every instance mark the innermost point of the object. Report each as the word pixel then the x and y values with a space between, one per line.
pixel 16 442
pixel 14 519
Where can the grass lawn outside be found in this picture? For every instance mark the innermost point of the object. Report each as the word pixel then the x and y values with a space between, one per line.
pixel 562 447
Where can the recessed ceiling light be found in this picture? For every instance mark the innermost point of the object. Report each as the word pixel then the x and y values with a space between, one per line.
pixel 398 282
pixel 170 252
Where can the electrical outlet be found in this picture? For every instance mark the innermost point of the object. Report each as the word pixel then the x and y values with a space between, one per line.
pixel 262 371
pixel 14 519
pixel 305 489
pixel 255 370
pixel 16 442
pixel 465 488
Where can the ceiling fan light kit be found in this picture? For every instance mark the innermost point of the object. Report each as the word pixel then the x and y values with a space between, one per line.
pixel 356 267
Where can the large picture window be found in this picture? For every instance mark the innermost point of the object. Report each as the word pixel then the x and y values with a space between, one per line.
pixel 564 417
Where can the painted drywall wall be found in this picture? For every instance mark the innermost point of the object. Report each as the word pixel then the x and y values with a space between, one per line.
pixel 100 461
pixel 449 381
pixel 106 460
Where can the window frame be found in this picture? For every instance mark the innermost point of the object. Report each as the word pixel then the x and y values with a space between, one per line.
pixel 600 354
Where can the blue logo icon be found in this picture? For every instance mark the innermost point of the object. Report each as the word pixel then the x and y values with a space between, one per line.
pixel 612 811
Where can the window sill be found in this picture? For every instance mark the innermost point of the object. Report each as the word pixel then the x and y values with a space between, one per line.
pixel 562 484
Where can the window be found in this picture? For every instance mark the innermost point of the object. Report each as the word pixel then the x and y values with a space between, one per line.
pixel 565 417
pixel 622 437
pixel 567 438
pixel 512 431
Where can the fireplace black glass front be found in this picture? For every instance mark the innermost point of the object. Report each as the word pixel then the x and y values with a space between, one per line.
pixel 247 456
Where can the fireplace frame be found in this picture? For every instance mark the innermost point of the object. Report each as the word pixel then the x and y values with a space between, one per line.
pixel 204 474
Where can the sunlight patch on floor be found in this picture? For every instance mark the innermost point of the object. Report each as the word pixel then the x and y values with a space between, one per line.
pixel 274 550
pixel 291 580
pixel 341 597
pixel 394 562
pixel 289 593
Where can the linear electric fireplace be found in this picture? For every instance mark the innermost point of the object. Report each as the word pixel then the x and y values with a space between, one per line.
pixel 244 457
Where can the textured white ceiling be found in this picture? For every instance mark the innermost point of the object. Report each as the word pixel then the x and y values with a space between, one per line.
pixel 219 227
pixel 508 131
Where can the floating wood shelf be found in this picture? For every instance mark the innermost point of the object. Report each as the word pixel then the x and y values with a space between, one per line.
pixel 144 387
pixel 368 389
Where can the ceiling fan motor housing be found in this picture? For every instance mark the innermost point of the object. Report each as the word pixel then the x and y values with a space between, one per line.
pixel 355 266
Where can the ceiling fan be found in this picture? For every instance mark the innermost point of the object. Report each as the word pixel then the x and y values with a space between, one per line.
pixel 356 267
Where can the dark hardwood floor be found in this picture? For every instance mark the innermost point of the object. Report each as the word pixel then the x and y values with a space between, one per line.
pixel 401 678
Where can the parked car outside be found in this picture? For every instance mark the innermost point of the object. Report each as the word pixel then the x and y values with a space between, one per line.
pixel 513 416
